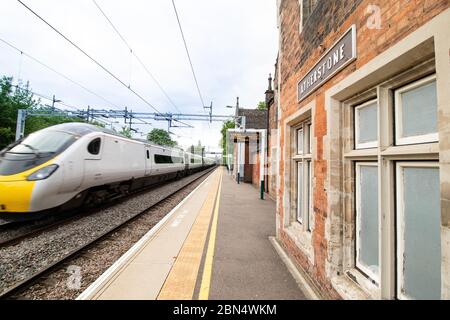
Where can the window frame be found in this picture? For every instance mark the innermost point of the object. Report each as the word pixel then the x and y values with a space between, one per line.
pixel 398 111
pixel 400 218
pixel 374 277
pixel 300 194
pixel 303 160
pixel 303 17
pixel 370 144
pixel 386 154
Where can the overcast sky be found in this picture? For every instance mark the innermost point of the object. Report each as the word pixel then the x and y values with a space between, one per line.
pixel 233 46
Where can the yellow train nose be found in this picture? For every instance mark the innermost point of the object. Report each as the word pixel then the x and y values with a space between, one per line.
pixel 16 191
pixel 15 196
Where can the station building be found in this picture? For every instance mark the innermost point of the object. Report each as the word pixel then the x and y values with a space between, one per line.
pixel 362 110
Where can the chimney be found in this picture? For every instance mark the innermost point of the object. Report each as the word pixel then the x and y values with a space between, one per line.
pixel 269 92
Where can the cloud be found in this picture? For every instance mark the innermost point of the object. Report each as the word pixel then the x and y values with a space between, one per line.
pixel 233 46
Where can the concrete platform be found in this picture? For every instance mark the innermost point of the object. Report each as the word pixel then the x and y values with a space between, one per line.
pixel 213 245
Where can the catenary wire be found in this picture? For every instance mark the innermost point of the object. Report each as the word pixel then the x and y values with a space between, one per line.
pixel 188 55
pixel 133 52
pixel 58 73
pixel 97 63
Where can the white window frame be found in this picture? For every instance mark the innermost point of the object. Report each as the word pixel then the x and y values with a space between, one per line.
pixel 300 194
pixel 310 140
pixel 373 276
pixel 303 161
pixel 370 144
pixel 400 228
pixel 425 138
pixel 310 196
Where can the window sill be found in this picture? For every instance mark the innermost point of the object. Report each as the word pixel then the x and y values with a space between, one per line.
pixel 359 153
pixel 355 286
pixel 427 149
pixel 302 239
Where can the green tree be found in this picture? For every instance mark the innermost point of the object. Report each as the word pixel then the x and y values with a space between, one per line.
pixel 262 106
pixel 161 137
pixel 229 124
pixel 126 132
pixel 35 123
pixel 12 98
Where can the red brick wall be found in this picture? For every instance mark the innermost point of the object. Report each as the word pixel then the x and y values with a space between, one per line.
pixel 299 53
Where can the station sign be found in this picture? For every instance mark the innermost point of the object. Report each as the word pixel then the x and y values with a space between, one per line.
pixel 337 57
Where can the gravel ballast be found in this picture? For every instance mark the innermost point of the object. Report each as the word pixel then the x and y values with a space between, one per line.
pixel 20 261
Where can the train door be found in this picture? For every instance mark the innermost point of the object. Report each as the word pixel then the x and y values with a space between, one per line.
pixel 92 164
pixel 73 174
pixel 148 161
pixel 186 161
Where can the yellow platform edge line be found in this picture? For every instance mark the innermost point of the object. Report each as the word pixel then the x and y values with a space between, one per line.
pixel 180 282
pixel 207 269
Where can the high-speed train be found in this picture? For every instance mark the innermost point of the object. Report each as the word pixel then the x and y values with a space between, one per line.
pixel 72 164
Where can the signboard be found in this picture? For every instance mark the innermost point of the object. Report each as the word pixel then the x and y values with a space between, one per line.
pixel 337 57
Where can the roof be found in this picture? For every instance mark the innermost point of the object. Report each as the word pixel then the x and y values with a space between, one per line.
pixel 254 118
pixel 80 128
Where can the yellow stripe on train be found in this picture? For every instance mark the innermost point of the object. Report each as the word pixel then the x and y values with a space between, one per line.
pixel 16 190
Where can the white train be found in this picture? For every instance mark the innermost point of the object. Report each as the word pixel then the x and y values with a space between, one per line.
pixel 71 164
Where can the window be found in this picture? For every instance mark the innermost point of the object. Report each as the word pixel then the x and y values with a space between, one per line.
pixel 310 194
pixel 367 220
pixel 392 205
pixel 300 141
pixel 416 112
pixel 306 9
pixel 366 125
pixel 418 235
pixel 94 146
pixel 148 154
pixel 45 141
pixel 303 162
pixel 300 198
pixel 163 159
pixel 310 140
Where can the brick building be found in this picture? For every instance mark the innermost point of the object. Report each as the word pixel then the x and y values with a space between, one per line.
pixel 363 145
pixel 248 141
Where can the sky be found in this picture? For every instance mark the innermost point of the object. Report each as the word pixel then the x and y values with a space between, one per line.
pixel 232 43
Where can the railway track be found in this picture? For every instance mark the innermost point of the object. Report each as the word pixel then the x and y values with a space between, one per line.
pixel 34 276
pixel 28 228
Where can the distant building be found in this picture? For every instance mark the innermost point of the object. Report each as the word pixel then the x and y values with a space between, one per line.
pixel 248 142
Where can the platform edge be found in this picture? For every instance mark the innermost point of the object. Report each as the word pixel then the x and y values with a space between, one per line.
pixel 101 281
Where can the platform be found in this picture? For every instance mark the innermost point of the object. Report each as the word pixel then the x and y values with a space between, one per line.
pixel 213 245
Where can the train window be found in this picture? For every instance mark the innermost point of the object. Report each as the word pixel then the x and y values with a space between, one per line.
pixel 159 158
pixel 94 146
pixel 148 154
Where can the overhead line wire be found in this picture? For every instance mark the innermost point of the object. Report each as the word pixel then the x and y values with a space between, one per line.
pixel 135 55
pixel 96 62
pixel 58 73
pixel 188 55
